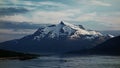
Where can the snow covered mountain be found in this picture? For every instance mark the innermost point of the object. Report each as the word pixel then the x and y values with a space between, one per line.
pixel 64 29
pixel 59 38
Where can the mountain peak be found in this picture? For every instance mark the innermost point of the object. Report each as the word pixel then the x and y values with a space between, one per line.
pixel 65 29
pixel 66 23
pixel 62 23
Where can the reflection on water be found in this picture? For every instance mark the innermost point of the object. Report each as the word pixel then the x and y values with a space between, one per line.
pixel 65 62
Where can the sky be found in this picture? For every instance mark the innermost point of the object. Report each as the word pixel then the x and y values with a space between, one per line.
pixel 22 17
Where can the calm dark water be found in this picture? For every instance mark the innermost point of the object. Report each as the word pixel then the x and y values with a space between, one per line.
pixel 65 62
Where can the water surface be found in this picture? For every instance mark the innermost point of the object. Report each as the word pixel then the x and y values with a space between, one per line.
pixel 91 61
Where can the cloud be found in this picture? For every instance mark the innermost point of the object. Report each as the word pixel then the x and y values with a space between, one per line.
pixel 44 3
pixel 86 17
pixel 93 3
pixel 12 31
pixel 18 25
pixel 12 11
pixel 48 11
pixel 108 20
pixel 15 18
pixel 99 3
pixel 43 16
pixel 34 4
pixel 38 17
pixel 10 34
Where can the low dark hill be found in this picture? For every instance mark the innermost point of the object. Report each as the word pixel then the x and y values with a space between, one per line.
pixel 5 54
pixel 111 47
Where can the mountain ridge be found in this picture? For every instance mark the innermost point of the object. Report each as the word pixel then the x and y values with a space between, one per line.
pixel 59 38
pixel 65 29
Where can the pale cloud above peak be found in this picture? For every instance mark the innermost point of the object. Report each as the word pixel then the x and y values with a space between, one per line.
pixel 44 3
pixel 43 16
pixel 94 2
pixel 99 3
pixel 53 11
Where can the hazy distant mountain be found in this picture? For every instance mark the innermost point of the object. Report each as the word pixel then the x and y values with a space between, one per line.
pixel 112 32
pixel 59 38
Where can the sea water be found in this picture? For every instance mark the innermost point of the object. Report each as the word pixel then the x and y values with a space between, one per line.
pixel 90 61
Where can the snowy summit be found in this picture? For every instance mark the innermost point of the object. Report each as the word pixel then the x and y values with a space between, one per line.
pixel 64 29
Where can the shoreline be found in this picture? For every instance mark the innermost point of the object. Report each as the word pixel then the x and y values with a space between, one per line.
pixel 18 58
